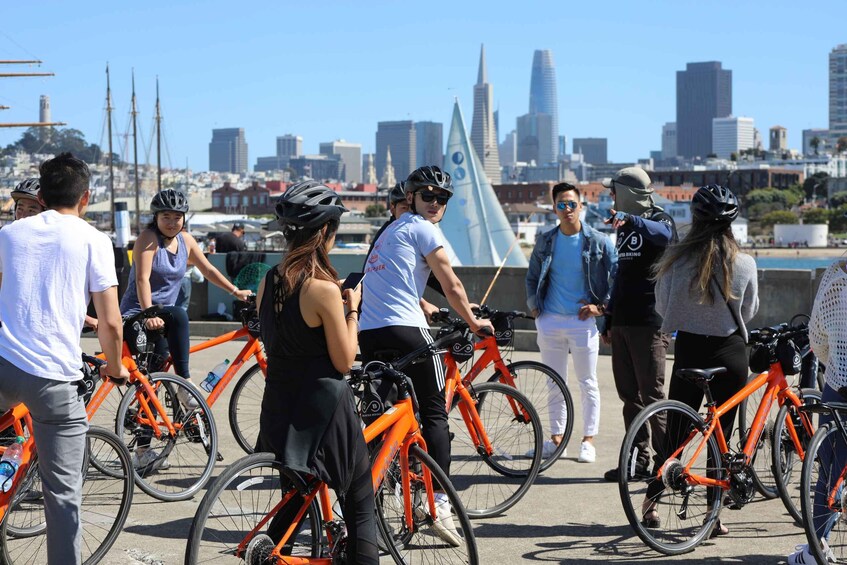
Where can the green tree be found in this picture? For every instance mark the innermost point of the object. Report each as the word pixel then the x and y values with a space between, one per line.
pixel 815 143
pixel 374 211
pixel 816 216
pixel 841 145
pixel 815 186
pixel 838 219
pixel 838 199
pixel 778 217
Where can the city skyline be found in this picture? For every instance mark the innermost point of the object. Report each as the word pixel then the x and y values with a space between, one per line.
pixel 219 72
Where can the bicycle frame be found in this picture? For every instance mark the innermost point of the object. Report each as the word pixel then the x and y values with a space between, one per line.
pixel 777 390
pixel 12 419
pixel 491 354
pixel 400 431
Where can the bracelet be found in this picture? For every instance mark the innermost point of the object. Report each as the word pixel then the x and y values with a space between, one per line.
pixel 233 291
pixel 352 312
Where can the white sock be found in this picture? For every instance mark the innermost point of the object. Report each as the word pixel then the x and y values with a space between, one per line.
pixel 440 497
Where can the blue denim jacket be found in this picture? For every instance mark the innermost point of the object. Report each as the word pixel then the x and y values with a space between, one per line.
pixel 600 264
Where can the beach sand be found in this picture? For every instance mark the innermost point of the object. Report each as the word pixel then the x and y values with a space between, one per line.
pixel 801 252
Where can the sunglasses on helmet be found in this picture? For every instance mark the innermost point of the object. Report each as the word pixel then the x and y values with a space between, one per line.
pixel 563 204
pixel 428 196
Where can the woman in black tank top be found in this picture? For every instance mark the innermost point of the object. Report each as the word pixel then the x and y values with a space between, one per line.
pixel 308 419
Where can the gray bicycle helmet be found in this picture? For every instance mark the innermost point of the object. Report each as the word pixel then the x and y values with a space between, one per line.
pixel 169 200
pixel 397 194
pixel 714 203
pixel 429 175
pixel 27 189
pixel 308 204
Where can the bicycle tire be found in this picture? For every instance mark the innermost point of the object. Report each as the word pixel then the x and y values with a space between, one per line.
pixel 538 381
pixel 787 465
pixel 422 544
pixel 105 505
pixel 821 475
pixel 253 480
pixel 490 485
pixel 762 464
pixel 679 530
pixel 245 407
pixel 195 445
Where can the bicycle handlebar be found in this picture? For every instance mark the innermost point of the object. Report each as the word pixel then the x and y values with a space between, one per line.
pixel 145 314
pixel 485 311
pixel 405 389
pixel 777 333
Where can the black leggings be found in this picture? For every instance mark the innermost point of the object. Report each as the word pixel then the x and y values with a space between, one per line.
pixel 177 342
pixel 427 378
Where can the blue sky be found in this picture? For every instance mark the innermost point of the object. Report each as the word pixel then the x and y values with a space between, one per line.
pixel 333 69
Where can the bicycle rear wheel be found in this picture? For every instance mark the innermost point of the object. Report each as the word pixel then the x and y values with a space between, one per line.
pixel 245 406
pixel 237 501
pixel 686 511
pixel 545 389
pixel 491 484
pixel 106 501
pixel 182 463
pixel 761 466
pixel 821 479
pixel 787 463
pixel 421 543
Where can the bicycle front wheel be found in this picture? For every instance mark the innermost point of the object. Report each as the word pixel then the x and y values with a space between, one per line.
pixel 490 484
pixel 685 511
pixel 172 466
pixel 548 393
pixel 822 495
pixel 763 476
pixel 232 509
pixel 106 501
pixel 245 406
pixel 425 541
pixel 787 462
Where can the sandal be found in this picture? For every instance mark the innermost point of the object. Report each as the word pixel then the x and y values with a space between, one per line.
pixel 650 516
pixel 718 530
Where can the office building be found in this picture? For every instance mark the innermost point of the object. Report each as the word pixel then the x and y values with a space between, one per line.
pixel 401 136
pixel 483 130
pixel 534 139
pixel 838 93
pixel 732 135
pixel 509 150
pixel 268 164
pixel 563 147
pixel 543 100
pixel 820 145
pixel 592 149
pixel 350 155
pixel 669 141
pixel 228 151
pixel 318 167
pixel 289 145
pixel 703 92
pixel 778 137
pixel 430 143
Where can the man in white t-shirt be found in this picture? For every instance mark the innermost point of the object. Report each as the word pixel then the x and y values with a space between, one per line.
pixel 50 266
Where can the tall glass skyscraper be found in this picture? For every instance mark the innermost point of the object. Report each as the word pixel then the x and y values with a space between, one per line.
pixel 838 93
pixel 703 92
pixel 543 100
pixel 228 151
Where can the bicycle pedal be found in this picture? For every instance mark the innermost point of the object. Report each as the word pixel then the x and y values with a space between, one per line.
pixel 219 457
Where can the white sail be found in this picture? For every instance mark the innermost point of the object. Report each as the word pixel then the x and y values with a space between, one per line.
pixel 474 223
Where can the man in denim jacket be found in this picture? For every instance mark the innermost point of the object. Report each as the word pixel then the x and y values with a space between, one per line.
pixel 568 286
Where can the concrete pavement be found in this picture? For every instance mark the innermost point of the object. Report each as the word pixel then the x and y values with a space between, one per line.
pixel 570 515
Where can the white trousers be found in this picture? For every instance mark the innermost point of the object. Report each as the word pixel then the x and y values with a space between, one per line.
pixel 558 335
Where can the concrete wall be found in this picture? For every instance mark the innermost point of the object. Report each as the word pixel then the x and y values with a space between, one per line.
pixel 782 293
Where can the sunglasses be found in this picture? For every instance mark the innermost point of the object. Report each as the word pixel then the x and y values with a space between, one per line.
pixel 428 196
pixel 561 205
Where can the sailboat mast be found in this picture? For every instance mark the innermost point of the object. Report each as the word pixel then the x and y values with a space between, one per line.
pixel 135 156
pixel 111 153
pixel 158 139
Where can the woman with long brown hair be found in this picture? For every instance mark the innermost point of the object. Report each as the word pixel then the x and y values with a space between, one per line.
pixel 706 291
pixel 308 418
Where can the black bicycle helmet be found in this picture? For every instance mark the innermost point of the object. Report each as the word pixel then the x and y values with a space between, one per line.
pixel 397 194
pixel 429 175
pixel 169 200
pixel 308 204
pixel 714 203
pixel 27 189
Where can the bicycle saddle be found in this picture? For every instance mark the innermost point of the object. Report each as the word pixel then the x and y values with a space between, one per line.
pixel 700 375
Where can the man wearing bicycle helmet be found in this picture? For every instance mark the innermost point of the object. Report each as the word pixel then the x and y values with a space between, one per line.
pixel 161 255
pixel 395 278
pixel 52 264
pixel 26 200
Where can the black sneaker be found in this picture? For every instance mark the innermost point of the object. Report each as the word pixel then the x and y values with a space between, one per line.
pixel 641 472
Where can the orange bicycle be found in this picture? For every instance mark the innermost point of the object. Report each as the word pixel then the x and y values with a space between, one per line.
pixel 105 504
pixel 693 465
pixel 246 516
pixel 175 445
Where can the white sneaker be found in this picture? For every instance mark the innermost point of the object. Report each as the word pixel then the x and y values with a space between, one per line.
pixel 443 525
pixel 187 400
pixel 546 451
pixel 802 555
pixel 148 459
pixel 587 452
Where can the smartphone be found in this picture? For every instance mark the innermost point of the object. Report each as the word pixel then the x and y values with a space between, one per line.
pixel 352 281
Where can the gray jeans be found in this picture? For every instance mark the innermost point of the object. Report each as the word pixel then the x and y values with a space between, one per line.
pixel 58 415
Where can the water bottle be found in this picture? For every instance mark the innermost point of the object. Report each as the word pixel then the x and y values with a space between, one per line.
pixel 214 376
pixel 10 462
